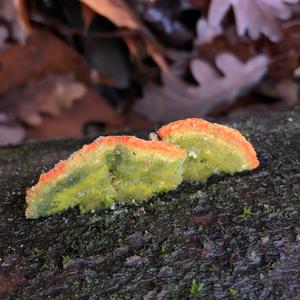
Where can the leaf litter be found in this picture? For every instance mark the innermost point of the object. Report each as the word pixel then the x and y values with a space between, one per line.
pixel 164 41
pixel 255 17
pixel 177 99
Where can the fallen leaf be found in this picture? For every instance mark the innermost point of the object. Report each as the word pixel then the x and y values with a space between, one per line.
pixel 89 108
pixel 242 49
pixel 88 15
pixel 279 83
pixel 4 35
pixel 285 55
pixel 117 11
pixel 48 95
pixel 288 90
pixel 202 4
pixel 205 32
pixel 14 12
pixel 11 135
pixel 176 99
pixel 121 14
pixel 255 17
pixel 180 61
pixel 42 53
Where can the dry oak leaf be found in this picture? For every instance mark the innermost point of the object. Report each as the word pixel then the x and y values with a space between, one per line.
pixel 88 15
pixel 243 49
pixel 11 135
pixel 90 108
pixel 122 15
pixel 117 11
pixel 205 32
pixel 175 99
pixel 42 53
pixel 288 90
pixel 14 13
pixel 255 16
pixel 50 95
pixel 285 54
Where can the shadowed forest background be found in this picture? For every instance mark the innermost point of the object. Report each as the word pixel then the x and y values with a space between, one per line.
pixel 71 68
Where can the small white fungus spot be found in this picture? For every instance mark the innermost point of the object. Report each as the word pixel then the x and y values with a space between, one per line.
pixel 193 154
pixel 153 136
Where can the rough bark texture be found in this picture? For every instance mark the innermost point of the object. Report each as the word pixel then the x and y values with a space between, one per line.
pixel 237 236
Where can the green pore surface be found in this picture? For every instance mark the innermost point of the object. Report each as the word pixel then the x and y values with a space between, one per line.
pixel 207 155
pixel 138 175
pixel 52 198
pixel 87 186
pixel 101 178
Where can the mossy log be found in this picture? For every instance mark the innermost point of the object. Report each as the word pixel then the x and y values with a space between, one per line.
pixel 232 237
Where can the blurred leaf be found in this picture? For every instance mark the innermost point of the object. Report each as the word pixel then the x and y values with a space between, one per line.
pixel 57 106
pixel 117 11
pixel 88 15
pixel 14 12
pixel 203 4
pixel 205 32
pixel 225 43
pixel 89 108
pixel 255 16
pixel 23 17
pixel 175 99
pixel 285 55
pixel 121 14
pixel 43 53
pixel 50 95
pixel 280 83
pixel 4 36
pixel 11 135
pixel 288 91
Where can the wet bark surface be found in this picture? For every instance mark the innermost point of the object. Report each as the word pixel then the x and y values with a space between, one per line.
pixel 236 237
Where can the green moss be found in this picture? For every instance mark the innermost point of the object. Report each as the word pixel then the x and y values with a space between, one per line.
pixel 233 293
pixel 163 250
pixel 207 155
pixel 196 288
pixel 66 259
pixel 247 212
